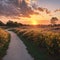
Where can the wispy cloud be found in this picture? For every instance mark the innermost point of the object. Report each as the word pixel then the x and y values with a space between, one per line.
pixel 15 8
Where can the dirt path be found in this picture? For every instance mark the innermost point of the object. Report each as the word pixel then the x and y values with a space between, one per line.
pixel 17 49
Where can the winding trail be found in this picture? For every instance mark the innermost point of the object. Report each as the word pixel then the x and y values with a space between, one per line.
pixel 17 50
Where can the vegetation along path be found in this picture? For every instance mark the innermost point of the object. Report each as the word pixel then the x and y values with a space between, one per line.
pixel 17 49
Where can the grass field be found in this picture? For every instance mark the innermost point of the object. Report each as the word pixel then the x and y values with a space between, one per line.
pixel 4 42
pixel 41 44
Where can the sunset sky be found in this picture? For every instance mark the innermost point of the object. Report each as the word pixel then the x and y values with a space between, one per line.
pixel 29 11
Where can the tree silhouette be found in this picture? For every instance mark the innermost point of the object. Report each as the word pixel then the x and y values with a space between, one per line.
pixel 54 20
pixel 9 23
pixel 2 24
pixel 13 24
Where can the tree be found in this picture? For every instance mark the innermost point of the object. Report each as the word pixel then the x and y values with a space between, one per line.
pixel 13 24
pixel 9 23
pixel 2 24
pixel 54 20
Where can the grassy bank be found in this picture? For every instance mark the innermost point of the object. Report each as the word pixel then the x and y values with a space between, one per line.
pixel 40 44
pixel 4 42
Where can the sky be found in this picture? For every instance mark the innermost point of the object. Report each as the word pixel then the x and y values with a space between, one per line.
pixel 50 4
pixel 29 11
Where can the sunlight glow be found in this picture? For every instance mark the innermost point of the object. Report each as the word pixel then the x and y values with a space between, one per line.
pixel 35 19
pixel 34 22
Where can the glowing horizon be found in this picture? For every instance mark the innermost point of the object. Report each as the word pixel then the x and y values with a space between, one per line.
pixel 32 12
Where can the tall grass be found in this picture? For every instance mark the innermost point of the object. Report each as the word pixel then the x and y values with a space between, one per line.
pixel 4 42
pixel 41 43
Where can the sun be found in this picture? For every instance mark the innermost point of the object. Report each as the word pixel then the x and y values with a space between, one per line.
pixel 34 22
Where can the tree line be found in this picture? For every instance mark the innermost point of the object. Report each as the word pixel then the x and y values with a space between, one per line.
pixel 11 24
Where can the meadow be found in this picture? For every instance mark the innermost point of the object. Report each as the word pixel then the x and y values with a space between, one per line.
pixel 41 44
pixel 4 42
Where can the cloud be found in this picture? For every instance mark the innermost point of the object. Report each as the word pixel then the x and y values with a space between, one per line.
pixel 40 9
pixel 47 11
pixel 16 8
pixel 57 10
pixel 20 8
pixel 25 9
pixel 8 9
